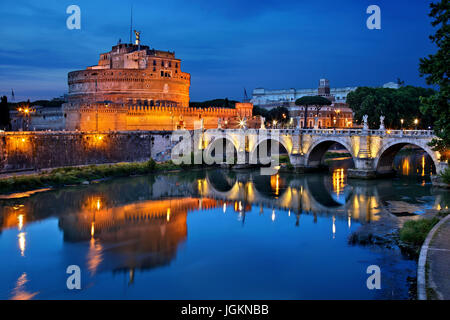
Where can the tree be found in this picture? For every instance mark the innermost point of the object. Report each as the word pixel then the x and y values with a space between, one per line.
pixel 279 114
pixel 395 104
pixel 5 120
pixel 436 69
pixel 315 103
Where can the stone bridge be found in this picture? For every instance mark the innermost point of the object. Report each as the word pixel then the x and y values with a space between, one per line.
pixel 373 151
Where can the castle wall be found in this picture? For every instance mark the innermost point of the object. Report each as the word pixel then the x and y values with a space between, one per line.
pixel 38 150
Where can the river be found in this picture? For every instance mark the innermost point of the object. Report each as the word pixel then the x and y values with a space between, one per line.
pixel 212 234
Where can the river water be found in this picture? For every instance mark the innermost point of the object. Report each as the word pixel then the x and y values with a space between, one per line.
pixel 208 235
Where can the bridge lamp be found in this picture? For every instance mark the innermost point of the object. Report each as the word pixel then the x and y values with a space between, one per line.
pixel 416 121
pixel 401 122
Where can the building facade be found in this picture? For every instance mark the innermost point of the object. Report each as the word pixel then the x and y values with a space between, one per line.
pixel 272 98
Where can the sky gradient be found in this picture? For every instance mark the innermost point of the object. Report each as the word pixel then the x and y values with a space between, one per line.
pixel 224 45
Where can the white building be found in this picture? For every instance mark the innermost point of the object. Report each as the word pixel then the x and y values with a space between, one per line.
pixel 273 98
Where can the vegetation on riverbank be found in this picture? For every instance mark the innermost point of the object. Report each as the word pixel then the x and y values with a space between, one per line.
pixel 445 175
pixel 79 175
pixel 414 232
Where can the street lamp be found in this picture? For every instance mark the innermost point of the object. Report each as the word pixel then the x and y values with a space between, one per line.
pixel 401 122
pixel 416 121
pixel 274 123
pixel 25 112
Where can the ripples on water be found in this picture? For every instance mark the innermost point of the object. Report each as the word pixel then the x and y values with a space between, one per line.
pixel 205 235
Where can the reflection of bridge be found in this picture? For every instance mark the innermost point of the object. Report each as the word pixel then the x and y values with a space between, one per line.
pixel 373 151
pixel 301 194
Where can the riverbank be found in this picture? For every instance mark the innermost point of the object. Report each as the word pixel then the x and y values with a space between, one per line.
pixel 71 176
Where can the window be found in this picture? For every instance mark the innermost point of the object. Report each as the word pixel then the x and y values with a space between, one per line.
pixel 154 62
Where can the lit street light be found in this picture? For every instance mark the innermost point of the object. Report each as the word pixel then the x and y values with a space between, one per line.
pixel 416 121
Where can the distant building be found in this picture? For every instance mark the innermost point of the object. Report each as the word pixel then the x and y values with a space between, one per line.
pixel 272 98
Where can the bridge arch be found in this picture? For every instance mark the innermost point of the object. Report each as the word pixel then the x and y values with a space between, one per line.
pixel 385 158
pixel 285 148
pixel 226 141
pixel 317 150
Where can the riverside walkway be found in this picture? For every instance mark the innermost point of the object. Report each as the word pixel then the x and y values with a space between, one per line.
pixel 438 261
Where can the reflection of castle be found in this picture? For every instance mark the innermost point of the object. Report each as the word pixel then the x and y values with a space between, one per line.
pixel 134 87
pixel 140 235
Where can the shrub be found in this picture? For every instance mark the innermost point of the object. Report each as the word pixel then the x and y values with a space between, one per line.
pixel 445 175
pixel 415 231
pixel 151 165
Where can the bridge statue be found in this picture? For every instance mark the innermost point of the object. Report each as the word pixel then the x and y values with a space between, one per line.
pixel 263 120
pixel 316 122
pixel 298 123
pixel 382 123
pixel 219 123
pixel 365 124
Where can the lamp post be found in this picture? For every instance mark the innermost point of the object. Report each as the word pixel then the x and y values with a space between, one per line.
pixel 401 123
pixel 416 121
pixel 25 112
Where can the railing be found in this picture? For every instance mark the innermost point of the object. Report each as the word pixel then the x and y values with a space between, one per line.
pixel 341 132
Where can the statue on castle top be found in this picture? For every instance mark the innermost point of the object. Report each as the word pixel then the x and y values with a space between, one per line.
pixel 138 37
pixel 365 125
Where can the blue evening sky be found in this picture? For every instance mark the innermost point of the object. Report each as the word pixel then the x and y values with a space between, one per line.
pixel 225 45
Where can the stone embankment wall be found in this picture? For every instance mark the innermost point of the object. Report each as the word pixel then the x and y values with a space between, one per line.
pixel 40 150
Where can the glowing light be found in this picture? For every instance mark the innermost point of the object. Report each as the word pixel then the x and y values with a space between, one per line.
pixel 168 214
pixel 19 292
pixel 98 204
pixel 405 167
pixel 22 243
pixel 20 222
pixel 224 208
pixel 334 227
pixel 338 181
pixel 273 215
pixel 423 165
pixel 349 221
pixel 275 183
pixel 92 229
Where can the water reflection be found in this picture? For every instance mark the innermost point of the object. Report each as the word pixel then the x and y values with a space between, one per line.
pixel 19 291
pixel 140 223
pixel 414 163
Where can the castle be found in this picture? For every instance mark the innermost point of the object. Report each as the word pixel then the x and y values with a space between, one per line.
pixel 134 87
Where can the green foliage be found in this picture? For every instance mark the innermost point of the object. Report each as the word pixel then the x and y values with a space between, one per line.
pixel 151 165
pixel 219 103
pixel 315 103
pixel 312 101
pixel 445 175
pixel 76 175
pixel 436 68
pixel 280 114
pixel 5 120
pixel 395 104
pixel 415 231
